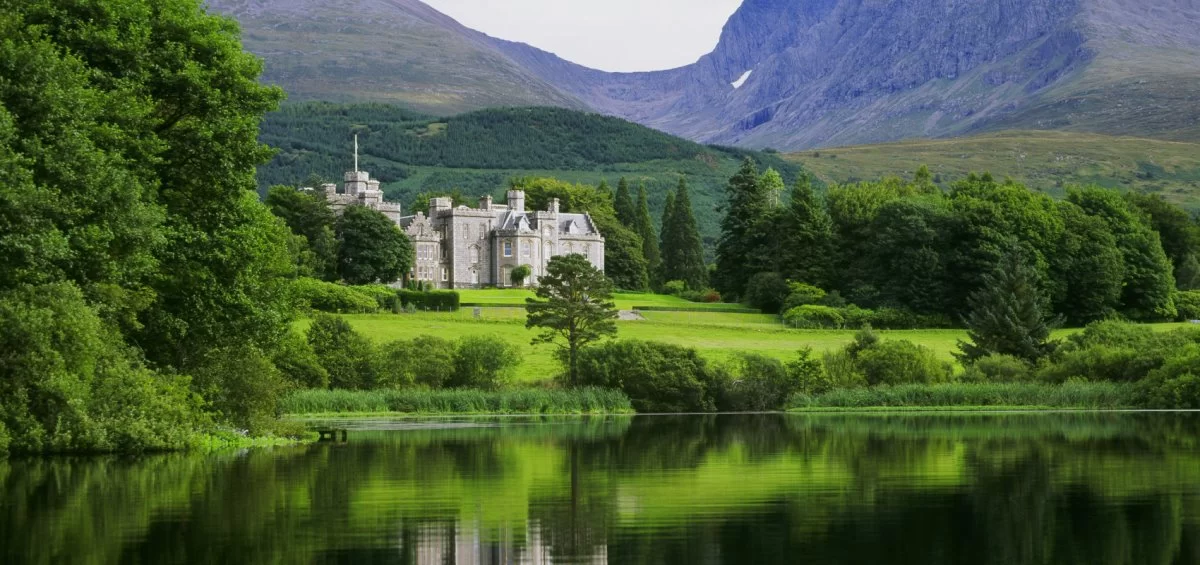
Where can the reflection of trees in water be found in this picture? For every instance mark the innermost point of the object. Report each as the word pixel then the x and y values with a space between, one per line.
pixel 929 490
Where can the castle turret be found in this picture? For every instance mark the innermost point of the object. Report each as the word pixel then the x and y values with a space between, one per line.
pixel 437 205
pixel 516 200
pixel 485 202
pixel 356 182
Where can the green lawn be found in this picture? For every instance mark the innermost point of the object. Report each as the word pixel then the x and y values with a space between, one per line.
pixel 717 335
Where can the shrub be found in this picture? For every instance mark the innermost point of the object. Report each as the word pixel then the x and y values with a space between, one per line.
pixel 441 300
pixel 334 298
pixel 5 440
pixel 755 383
pixel 855 317
pixel 841 372
pixel 1175 385
pixel 767 292
pixel 802 294
pixel 808 373
pixel 346 355
pixel 902 362
pixel 243 386
pixel 426 360
pixel 299 364
pixel 657 377
pixel 998 368
pixel 386 297
pixel 1115 351
pixel 1187 303
pixel 484 362
pixel 674 288
pixel 814 317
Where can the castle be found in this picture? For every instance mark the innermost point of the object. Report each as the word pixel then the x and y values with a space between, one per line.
pixel 462 247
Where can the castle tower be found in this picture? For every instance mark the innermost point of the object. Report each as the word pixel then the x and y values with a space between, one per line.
pixel 516 200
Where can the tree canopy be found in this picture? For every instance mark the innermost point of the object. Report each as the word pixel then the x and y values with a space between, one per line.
pixel 573 308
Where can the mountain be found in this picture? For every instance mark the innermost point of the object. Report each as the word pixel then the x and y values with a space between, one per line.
pixel 790 74
pixel 797 74
pixel 478 152
pixel 397 51
pixel 1044 160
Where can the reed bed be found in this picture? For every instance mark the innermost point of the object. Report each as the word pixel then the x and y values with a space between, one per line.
pixel 416 401
pixel 1071 395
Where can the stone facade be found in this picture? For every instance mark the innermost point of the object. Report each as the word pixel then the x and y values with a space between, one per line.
pixel 462 247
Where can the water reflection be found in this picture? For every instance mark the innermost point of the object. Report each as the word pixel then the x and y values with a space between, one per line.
pixel 1003 489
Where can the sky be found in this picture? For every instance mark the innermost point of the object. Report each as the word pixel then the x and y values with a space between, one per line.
pixel 610 35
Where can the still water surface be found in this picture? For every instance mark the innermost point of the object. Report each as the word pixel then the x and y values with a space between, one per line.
pixel 1086 489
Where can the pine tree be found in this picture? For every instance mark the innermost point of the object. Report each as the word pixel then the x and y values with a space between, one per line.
pixel 683 251
pixel 660 275
pixel 807 237
pixel 623 204
pixel 645 228
pixel 748 204
pixel 1009 313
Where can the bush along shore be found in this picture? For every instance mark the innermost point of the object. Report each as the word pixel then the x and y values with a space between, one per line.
pixel 984 396
pixel 586 400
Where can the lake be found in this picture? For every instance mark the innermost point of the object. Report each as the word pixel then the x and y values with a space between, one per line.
pixel 1082 488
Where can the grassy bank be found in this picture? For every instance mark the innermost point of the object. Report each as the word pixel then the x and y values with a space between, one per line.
pixel 717 335
pixel 426 402
pixel 1006 396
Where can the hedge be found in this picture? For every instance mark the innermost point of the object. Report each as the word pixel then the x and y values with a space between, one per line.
pixel 441 300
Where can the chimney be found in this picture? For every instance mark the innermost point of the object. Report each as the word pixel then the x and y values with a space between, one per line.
pixel 553 205
pixel 516 200
pixel 485 203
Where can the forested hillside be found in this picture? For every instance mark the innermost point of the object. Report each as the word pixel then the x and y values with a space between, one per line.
pixel 477 153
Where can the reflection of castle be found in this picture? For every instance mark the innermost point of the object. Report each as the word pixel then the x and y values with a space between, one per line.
pixel 464 545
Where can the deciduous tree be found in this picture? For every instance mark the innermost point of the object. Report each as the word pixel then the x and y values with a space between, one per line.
pixel 573 308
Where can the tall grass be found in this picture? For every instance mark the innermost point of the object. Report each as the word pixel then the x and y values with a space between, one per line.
pixel 416 401
pixel 1077 395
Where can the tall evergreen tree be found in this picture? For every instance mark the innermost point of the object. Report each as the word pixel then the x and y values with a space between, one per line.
pixel 1009 314
pixel 645 228
pixel 748 204
pixel 806 237
pixel 623 204
pixel 683 251
pixel 660 275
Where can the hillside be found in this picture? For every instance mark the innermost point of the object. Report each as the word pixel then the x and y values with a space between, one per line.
pixel 395 51
pixel 478 152
pixel 1045 160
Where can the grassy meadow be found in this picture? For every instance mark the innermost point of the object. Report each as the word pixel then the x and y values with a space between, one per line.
pixel 1044 160
pixel 717 335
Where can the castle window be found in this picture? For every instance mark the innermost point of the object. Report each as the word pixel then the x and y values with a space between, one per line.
pixel 508 248
pixel 525 250
pixel 445 274
pixel 474 254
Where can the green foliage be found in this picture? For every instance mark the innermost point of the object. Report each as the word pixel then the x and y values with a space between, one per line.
pixel 1007 314
pixel 682 250
pixel 584 400
pixel 767 292
pixel 657 377
pixel 334 298
pixel 753 383
pixel 623 204
pixel 805 235
pixel 1074 395
pixel 298 363
pixel 645 228
pixel 426 361
pixel 308 214
pixel 809 373
pixel 1178 232
pixel 814 317
pixel 802 294
pixel 439 300
pixel 1187 304
pixel 370 248
pixel 573 308
pixel 1114 351
pixel 841 372
pixel 348 356
pixel 484 362
pixel 1087 268
pixel 68 386
pixel 748 203
pixel 1149 280
pixel 243 385
pixel 674 288
pixel 902 362
pixel 998 368
pixel 520 274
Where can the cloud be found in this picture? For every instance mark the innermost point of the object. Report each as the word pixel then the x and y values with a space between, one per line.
pixel 611 35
